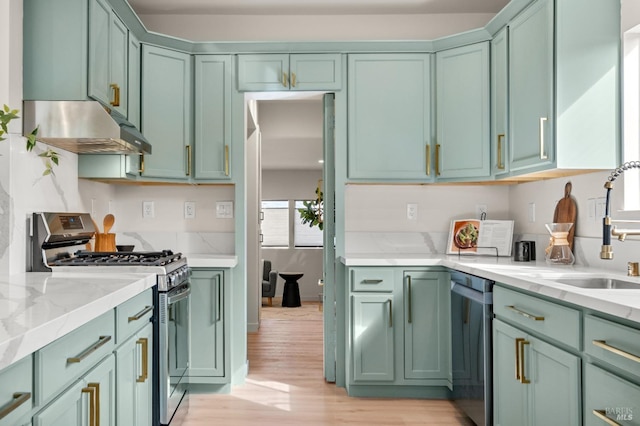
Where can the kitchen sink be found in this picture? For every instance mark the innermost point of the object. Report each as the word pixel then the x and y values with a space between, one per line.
pixel 599 283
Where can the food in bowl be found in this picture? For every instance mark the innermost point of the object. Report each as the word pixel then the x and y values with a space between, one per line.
pixel 466 237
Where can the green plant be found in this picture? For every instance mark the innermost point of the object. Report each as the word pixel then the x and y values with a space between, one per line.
pixel 50 157
pixel 312 211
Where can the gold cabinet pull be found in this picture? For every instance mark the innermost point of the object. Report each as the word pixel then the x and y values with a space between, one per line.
pixel 428 159
pixel 437 159
pixel 543 155
pixel 370 281
pixel 116 95
pixel 293 79
pixel 518 340
pixel 390 313
pixel 96 386
pixel 141 164
pixel 500 159
pixel 284 79
pixel 144 342
pixel 409 313
pixel 91 390
pixel 101 341
pixel 19 398
pixel 525 314
pixel 603 344
pixel 226 160
pixel 602 415
pixel 140 314
pixel 188 147
pixel 523 379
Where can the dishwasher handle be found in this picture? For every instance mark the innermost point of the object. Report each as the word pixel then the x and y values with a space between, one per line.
pixel 472 294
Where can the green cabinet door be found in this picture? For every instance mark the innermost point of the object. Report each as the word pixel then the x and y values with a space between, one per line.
pixel 315 71
pixel 509 395
pixel 372 337
pixel 499 103
pixel 93 395
pixel 609 396
pixel 213 83
pixel 531 112
pixel 166 112
pixel 389 116
pixel 427 329
pixel 269 72
pixel 108 60
pixel 207 324
pixel 133 92
pixel 134 378
pixel 462 111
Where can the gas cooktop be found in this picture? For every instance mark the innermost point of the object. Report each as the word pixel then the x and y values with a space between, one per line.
pixel 143 258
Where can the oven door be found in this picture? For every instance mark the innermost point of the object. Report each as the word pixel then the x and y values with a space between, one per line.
pixel 174 349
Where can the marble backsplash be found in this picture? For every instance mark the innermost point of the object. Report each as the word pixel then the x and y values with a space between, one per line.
pixel 183 242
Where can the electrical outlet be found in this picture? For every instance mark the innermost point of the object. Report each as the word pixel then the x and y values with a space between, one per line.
pixel 148 210
pixel 189 209
pixel 480 209
pixel 412 211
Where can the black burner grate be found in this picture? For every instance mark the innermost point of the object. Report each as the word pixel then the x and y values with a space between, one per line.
pixel 148 258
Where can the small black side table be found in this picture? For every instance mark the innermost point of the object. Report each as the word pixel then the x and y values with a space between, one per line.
pixel 291 294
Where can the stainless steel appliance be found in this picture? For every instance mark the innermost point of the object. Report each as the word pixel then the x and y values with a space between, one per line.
pixel 58 245
pixel 471 346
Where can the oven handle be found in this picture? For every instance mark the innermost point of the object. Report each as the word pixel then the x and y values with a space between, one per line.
pixel 470 293
pixel 178 296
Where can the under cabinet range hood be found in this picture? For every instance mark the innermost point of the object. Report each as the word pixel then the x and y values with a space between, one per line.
pixel 83 127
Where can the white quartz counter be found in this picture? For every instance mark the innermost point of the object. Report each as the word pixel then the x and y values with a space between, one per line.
pixel 37 308
pixel 195 260
pixel 537 277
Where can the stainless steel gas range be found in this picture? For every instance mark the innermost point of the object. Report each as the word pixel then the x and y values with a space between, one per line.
pixel 58 244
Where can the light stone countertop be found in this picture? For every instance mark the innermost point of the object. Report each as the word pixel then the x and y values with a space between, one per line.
pixel 536 277
pixel 195 260
pixel 36 308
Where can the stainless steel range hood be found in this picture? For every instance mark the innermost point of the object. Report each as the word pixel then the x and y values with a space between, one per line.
pixel 83 127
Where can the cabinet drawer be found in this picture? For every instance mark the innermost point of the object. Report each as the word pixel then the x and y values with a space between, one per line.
pixel 550 319
pixel 371 279
pixel 16 391
pixel 615 344
pixel 60 363
pixel 133 314
pixel 609 395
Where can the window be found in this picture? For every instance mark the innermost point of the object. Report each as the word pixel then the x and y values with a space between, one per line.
pixel 303 234
pixel 631 114
pixel 275 224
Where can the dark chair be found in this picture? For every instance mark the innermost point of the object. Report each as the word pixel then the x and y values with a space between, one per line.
pixel 269 281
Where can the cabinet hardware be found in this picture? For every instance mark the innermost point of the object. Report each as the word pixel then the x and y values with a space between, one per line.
pixel 390 313
pixel 603 344
pixel 428 159
pixel 500 162
pixel 116 95
pixel 219 308
pixel 409 313
pixel 467 311
pixel 92 404
pixel 543 155
pixel 293 79
pixel 226 160
pixel 140 314
pixel 188 147
pixel 371 281
pixel 284 79
pixel 96 386
pixel 518 340
pixel 19 398
pixel 141 168
pixel 144 343
pixel 525 314
pixel 437 159
pixel 601 414
pixel 101 341
pixel 523 379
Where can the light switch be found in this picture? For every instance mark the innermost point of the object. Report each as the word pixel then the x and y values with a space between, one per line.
pixel 224 209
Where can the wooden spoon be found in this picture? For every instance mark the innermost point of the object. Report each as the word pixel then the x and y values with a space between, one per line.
pixel 108 222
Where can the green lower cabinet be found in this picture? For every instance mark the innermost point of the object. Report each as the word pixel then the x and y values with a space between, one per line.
pixel 207 312
pixel 609 398
pixel 93 395
pixel 134 379
pixel 534 383
pixel 373 337
pixel 427 325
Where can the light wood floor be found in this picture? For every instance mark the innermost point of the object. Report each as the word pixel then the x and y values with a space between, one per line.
pixel 285 386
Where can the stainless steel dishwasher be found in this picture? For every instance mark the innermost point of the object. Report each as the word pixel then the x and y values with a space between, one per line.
pixel 471 346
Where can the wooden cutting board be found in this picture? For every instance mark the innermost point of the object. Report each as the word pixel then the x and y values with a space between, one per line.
pixel 566 212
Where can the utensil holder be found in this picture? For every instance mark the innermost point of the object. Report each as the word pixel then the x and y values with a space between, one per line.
pixel 105 242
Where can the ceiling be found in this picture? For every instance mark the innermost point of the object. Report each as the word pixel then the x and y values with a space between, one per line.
pixel 315 7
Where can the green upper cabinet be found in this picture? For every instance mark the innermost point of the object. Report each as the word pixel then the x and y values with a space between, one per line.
pixel 108 57
pixel 499 103
pixel 133 92
pixel 213 85
pixel 167 120
pixel 462 111
pixel 389 116
pixel 277 72
pixel 564 86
